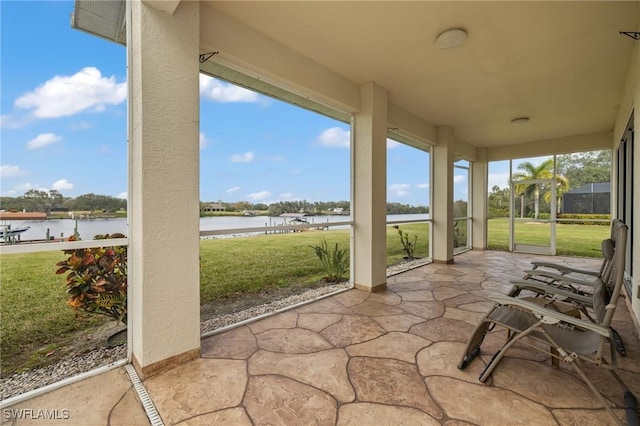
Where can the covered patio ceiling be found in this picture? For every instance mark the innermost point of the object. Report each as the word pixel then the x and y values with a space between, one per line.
pixel 561 64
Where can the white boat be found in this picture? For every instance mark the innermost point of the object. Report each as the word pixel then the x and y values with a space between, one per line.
pixel 8 234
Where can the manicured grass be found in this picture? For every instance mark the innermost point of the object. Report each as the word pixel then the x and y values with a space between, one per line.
pixel 34 318
pixel 571 240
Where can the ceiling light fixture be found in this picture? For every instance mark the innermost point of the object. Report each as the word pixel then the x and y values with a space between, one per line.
pixel 453 37
pixel 520 120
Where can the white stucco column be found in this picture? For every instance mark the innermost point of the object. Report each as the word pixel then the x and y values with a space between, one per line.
pixel 370 193
pixel 443 155
pixel 479 195
pixel 163 260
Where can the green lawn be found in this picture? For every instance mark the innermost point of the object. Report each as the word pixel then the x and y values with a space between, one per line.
pixel 571 240
pixel 36 325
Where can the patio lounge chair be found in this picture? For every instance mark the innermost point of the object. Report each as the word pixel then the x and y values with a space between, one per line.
pixel 563 337
pixel 550 272
pixel 572 290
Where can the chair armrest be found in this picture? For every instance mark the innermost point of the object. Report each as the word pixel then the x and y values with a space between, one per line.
pixel 563 268
pixel 543 312
pixel 557 277
pixel 542 288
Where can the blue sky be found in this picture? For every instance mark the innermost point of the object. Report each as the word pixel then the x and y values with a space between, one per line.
pixel 64 126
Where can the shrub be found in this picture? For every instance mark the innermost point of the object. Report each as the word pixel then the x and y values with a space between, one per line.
pixel 335 262
pixel 579 219
pixel 97 281
pixel 408 246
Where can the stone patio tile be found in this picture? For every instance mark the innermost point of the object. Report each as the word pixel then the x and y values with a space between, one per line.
pixel 543 384
pixel 228 417
pixel 463 299
pixel 444 293
pixel 587 417
pixel 386 297
pixel 326 370
pixel 293 341
pixel 471 278
pixel 467 316
pixel 274 400
pixel 324 306
pixel 351 297
pixel 360 414
pixel 441 277
pixel 287 319
pixel 494 341
pixel 481 404
pixel 238 343
pixel 400 346
pixel 606 383
pixel 416 296
pixel 351 330
pixel 195 388
pixel 480 307
pixel 398 322
pixel 88 401
pixel 317 322
pixel 448 271
pixel 371 309
pixel 426 310
pixel 502 287
pixel 443 329
pixel 392 382
pixel 441 359
pixel 457 423
pixel 415 284
pixel 129 411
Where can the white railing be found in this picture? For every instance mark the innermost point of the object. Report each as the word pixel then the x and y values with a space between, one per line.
pixel 66 245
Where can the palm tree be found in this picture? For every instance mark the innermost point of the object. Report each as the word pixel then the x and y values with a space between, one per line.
pixel 531 172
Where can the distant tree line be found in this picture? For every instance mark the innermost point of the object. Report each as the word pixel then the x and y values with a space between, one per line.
pixel 315 207
pixel 47 201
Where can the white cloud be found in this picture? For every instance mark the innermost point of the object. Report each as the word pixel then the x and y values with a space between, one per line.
pixel 247 157
pixel 219 91
pixel 123 195
pixel 62 184
pixel 392 144
pixel 256 196
pixel 42 140
pixel 458 179
pixel 399 189
pixel 498 179
pixel 232 189
pixel 203 141
pixel 423 185
pixel 10 170
pixel 295 171
pixel 335 137
pixel 286 195
pixel 81 125
pixel 68 95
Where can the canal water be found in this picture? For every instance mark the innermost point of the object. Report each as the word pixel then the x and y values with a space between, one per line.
pixel 88 228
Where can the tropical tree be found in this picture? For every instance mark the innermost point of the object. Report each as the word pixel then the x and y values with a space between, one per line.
pixel 529 171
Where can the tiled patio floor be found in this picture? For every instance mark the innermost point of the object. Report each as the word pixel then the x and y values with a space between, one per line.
pixel 366 359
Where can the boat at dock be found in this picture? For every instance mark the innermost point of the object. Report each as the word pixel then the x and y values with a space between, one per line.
pixel 10 235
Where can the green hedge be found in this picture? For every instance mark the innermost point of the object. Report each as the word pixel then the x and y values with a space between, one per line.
pixel 579 219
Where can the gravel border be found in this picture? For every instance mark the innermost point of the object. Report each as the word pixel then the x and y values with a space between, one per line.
pixel 20 383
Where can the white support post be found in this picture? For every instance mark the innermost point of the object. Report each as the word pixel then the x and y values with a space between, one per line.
pixel 443 156
pixel 370 195
pixel 163 261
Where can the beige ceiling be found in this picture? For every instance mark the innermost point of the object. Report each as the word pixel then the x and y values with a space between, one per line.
pixel 563 64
